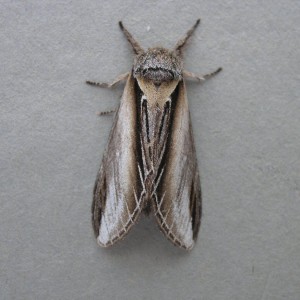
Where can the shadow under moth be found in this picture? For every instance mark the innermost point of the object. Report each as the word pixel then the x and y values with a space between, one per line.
pixel 150 162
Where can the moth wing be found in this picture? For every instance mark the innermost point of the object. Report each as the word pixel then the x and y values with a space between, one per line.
pixel 115 206
pixel 178 199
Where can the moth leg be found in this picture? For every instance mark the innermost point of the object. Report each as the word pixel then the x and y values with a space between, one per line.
pixel 188 74
pixel 137 49
pixel 180 44
pixel 109 85
pixel 104 113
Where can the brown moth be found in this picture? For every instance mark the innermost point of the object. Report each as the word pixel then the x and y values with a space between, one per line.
pixel 150 163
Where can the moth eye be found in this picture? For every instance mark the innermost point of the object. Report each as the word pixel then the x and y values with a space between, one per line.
pixel 172 75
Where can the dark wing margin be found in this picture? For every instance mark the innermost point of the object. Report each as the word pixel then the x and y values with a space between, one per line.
pixel 177 204
pixel 116 202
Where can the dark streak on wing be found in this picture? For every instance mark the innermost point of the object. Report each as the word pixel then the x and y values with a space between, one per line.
pixel 163 123
pixel 166 125
pixel 145 112
pixel 139 95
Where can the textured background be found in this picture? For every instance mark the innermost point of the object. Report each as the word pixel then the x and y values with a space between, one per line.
pixel 247 129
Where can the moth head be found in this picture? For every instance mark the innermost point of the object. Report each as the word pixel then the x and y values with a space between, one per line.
pixel 158 65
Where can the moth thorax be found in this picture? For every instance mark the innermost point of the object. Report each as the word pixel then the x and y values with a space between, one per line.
pixel 157 94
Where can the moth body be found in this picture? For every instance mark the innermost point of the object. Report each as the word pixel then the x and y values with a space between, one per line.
pixel 150 162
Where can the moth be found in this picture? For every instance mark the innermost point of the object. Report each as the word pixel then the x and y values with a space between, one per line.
pixel 150 162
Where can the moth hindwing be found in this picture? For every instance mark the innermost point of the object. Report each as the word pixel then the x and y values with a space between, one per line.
pixel 150 162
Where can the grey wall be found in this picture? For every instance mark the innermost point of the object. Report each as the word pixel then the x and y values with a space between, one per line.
pixel 246 124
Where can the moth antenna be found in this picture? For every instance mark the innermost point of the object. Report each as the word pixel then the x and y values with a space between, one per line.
pixel 135 45
pixel 181 43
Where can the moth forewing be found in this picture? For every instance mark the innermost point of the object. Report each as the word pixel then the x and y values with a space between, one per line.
pixel 116 205
pixel 150 162
pixel 179 189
